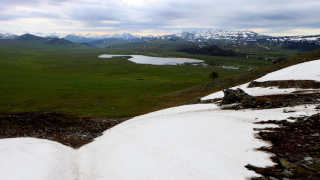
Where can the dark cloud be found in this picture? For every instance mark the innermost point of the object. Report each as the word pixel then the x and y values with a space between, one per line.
pixel 135 16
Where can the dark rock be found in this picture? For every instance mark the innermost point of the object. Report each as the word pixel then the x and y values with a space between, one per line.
pixel 285 163
pixel 272 178
pixel 287 172
pixel 236 96
pixel 247 99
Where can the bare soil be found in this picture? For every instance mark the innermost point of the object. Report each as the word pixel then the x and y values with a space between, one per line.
pixel 69 130
pixel 303 84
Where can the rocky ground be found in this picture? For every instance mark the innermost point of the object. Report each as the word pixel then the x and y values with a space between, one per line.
pixel 295 145
pixel 295 149
pixel 69 130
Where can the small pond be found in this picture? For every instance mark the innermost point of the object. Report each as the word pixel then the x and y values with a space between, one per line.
pixel 139 59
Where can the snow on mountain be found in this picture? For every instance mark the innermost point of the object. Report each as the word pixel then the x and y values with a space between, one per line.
pixel 5 35
pixel 219 34
pixel 199 141
pixel 56 35
pixel 214 34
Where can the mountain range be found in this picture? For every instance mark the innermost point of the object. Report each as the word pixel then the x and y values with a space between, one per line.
pixel 196 36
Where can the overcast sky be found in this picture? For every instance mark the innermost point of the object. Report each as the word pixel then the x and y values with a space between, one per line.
pixel 144 17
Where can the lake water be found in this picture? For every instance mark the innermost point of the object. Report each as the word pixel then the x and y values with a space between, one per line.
pixel 139 59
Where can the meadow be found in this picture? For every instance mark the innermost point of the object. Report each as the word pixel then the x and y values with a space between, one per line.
pixel 71 79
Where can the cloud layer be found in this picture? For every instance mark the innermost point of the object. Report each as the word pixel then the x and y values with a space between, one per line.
pixel 160 16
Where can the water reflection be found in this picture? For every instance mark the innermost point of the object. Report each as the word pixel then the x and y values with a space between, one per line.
pixel 140 59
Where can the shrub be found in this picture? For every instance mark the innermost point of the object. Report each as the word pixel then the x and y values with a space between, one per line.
pixel 213 75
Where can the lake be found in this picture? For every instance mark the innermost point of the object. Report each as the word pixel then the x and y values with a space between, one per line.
pixel 140 59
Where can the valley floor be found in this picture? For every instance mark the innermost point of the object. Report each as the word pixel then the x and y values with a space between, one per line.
pixel 276 136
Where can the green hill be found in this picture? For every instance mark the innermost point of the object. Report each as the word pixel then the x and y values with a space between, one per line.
pixel 32 41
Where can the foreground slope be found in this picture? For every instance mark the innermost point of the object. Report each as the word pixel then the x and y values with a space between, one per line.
pixel 199 141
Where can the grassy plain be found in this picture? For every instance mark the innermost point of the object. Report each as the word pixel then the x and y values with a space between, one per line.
pixel 71 79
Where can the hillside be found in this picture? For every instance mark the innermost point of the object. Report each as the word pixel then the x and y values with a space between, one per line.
pixel 197 141
pixel 209 50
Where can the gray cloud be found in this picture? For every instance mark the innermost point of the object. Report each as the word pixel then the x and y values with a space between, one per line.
pixel 175 15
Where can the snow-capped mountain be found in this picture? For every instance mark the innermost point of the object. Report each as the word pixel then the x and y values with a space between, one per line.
pixel 79 38
pixel 5 35
pixel 220 34
pixel 213 34
pixel 309 39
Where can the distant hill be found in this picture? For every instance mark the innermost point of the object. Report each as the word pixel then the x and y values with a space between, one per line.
pixel 32 41
pixel 28 37
pixel 47 40
pixel 209 50
pixel 57 41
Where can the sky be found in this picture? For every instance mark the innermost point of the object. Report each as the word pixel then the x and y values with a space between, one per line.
pixel 159 17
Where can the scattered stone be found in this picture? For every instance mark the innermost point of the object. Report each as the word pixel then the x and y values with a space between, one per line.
pixel 284 163
pixel 287 172
pixel 295 146
pixel 272 178
pixel 307 158
pixel 256 136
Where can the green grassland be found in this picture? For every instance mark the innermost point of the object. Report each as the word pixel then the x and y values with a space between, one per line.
pixel 71 79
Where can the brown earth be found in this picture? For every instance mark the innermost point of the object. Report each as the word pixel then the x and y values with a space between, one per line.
pixel 295 149
pixel 69 130
pixel 303 84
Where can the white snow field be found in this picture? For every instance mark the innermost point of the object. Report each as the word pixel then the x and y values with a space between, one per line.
pixel 35 159
pixel 304 71
pixel 186 142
